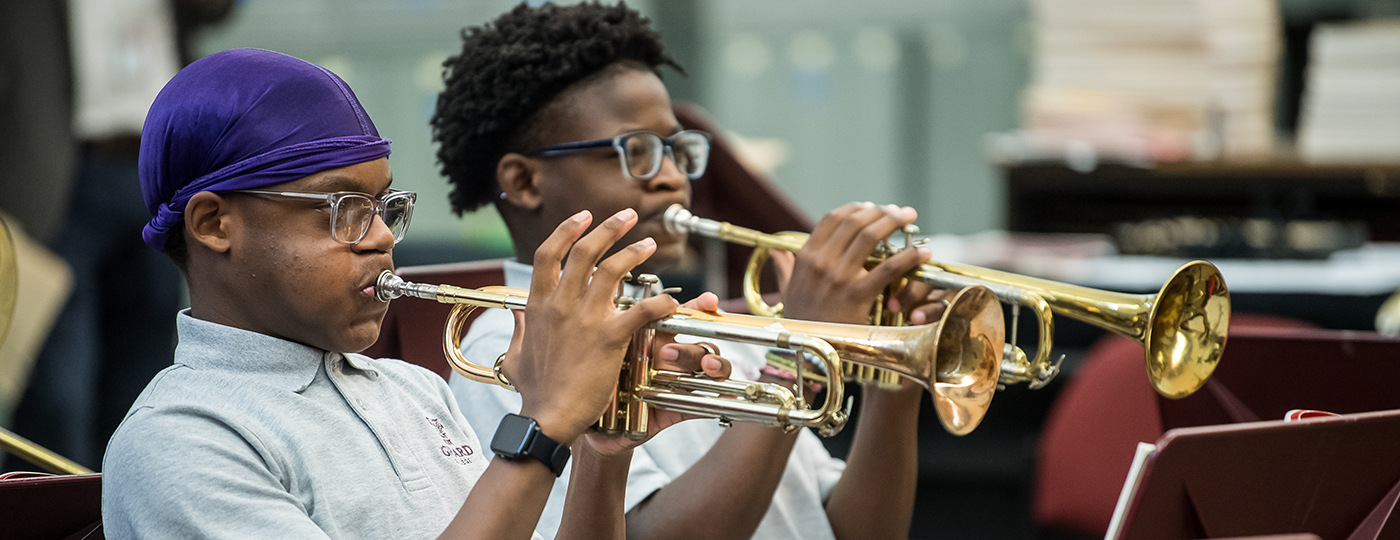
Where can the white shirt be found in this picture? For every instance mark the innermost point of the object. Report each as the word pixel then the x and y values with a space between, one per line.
pixel 251 436
pixel 797 510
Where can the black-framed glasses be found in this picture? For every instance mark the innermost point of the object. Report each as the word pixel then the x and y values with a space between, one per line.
pixel 641 152
pixel 352 212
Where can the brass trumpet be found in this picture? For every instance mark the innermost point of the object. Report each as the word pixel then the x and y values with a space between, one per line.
pixel 1182 328
pixel 43 457
pixel 955 358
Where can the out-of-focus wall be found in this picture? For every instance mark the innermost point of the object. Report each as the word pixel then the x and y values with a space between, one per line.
pixel 390 52
pixel 884 100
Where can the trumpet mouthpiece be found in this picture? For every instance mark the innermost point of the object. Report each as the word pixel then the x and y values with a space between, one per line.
pixel 388 287
pixel 675 217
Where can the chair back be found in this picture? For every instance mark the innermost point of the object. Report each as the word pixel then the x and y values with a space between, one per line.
pixel 41 506
pixel 732 192
pixel 1105 409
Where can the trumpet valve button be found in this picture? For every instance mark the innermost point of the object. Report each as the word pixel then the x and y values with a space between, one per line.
pixel 647 284
pixel 910 231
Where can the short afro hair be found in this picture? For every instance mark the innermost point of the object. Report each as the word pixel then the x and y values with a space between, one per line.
pixel 512 68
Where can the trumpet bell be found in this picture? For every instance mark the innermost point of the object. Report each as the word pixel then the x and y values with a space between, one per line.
pixel 1182 328
pixel 957 358
pixel 1186 332
pixel 970 364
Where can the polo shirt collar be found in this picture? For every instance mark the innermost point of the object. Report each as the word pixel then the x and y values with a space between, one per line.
pixel 206 345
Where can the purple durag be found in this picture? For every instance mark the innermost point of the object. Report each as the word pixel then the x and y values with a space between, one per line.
pixel 243 119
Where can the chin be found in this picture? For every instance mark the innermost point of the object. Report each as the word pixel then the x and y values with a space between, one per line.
pixel 359 338
pixel 665 258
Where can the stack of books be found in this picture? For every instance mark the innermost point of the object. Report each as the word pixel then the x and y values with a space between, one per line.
pixel 1351 98
pixel 1154 80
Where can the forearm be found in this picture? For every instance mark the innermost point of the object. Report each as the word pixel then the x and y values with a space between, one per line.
pixel 594 505
pixel 508 490
pixel 875 496
pixel 735 479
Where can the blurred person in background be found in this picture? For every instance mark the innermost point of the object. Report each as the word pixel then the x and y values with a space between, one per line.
pixel 79 77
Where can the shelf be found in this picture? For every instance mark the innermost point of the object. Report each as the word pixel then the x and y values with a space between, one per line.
pixel 1055 198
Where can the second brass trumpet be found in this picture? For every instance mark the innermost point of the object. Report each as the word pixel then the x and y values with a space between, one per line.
pixel 1182 328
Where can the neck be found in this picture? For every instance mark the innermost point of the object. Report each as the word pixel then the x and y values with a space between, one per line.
pixel 210 303
pixel 528 231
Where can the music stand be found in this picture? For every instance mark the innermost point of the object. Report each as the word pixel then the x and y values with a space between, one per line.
pixel 49 507
pixel 1265 372
pixel 1334 477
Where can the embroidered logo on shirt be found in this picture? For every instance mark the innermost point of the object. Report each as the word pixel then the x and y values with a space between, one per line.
pixel 460 453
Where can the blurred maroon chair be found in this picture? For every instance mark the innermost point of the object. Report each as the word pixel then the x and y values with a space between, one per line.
pixel 412 329
pixel 731 192
pixel 40 506
pixel 1104 410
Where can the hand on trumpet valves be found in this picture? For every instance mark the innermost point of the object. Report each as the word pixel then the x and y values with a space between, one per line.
pixel 828 281
pixel 565 361
pixel 697 358
pixel 928 303
pixel 700 358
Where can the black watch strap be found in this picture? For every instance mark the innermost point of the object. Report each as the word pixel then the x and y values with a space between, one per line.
pixel 519 437
pixel 552 454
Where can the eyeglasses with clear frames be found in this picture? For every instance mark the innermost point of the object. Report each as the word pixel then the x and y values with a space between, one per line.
pixel 352 212
pixel 641 152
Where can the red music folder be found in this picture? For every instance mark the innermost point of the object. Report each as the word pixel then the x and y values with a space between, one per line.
pixel 1335 477
pixel 51 507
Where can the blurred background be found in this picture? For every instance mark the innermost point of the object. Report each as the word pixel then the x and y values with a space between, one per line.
pixel 926 104
pixel 1098 142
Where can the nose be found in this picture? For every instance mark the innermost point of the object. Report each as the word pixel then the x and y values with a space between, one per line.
pixel 670 177
pixel 378 238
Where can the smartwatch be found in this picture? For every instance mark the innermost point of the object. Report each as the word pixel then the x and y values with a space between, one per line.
pixel 519 437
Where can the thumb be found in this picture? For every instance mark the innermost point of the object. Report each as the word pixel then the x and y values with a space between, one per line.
pixel 517 336
pixel 707 302
pixel 783 262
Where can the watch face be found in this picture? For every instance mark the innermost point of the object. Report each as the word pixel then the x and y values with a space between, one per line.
pixel 512 435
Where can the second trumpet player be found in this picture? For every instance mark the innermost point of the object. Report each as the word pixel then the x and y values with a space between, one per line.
pixel 553 110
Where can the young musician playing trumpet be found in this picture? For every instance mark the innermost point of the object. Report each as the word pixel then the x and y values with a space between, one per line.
pixel 270 187
pixel 554 110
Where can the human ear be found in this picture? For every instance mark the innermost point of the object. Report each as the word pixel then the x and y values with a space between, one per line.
pixel 208 220
pixel 519 178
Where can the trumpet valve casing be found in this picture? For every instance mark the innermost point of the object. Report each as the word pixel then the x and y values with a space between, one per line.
pixel 627 415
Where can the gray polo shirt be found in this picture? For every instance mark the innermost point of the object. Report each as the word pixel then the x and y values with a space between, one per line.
pixel 250 436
